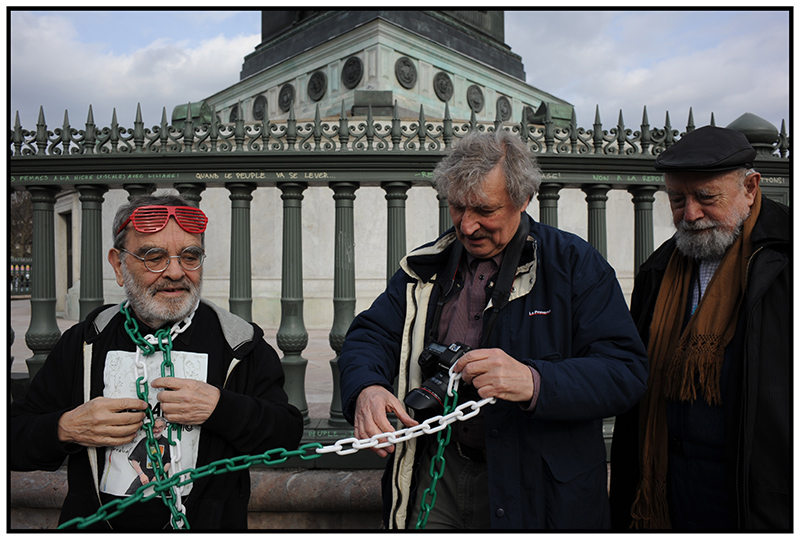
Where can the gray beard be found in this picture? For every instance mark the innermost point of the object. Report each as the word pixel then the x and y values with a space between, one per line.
pixel 706 241
pixel 157 313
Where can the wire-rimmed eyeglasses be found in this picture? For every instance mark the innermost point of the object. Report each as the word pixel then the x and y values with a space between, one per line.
pixel 157 259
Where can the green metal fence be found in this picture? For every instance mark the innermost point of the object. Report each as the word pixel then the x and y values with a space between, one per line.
pixel 342 155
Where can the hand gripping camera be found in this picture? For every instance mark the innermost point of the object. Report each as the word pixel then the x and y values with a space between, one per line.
pixel 430 395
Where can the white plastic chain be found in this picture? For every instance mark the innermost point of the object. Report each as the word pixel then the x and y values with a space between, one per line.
pixel 352 445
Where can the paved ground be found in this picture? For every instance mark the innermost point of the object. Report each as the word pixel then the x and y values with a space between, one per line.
pixel 319 380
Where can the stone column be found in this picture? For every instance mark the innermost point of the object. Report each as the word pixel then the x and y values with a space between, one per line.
pixel 43 332
pixel 292 337
pixel 241 294
pixel 92 256
pixel 396 196
pixel 643 198
pixel 344 285
pixel 596 197
pixel 548 204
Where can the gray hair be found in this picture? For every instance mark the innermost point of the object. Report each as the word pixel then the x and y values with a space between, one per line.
pixel 460 175
pixel 126 210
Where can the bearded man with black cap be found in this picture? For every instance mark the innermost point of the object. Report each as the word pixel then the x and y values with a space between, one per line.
pixel 710 444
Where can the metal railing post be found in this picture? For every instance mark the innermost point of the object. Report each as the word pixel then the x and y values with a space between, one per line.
pixel 396 196
pixel 43 332
pixel 92 257
pixel 643 199
pixel 548 203
pixel 445 221
pixel 344 285
pixel 596 197
pixel 292 336
pixel 240 298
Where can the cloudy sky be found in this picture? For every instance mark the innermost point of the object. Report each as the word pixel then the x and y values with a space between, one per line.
pixel 725 62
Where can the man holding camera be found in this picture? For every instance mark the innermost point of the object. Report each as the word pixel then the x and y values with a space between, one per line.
pixel 546 331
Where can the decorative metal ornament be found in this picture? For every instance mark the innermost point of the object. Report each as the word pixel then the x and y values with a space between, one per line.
pixel 530 114
pixel 406 72
pixel 317 85
pixel 259 106
pixel 503 108
pixel 443 86
pixel 352 71
pixel 475 98
pixel 286 97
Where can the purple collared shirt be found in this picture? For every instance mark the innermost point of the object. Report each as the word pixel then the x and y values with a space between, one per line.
pixel 462 320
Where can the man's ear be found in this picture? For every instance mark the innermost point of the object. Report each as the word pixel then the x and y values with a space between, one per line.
pixel 751 184
pixel 115 260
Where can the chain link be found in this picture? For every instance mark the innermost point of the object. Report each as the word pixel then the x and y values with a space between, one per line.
pixel 165 485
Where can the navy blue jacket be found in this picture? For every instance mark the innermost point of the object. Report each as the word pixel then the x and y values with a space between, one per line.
pixel 547 468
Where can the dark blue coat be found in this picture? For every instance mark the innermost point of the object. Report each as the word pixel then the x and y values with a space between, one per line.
pixel 547 468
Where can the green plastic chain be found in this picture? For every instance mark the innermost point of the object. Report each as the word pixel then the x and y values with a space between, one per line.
pixel 165 485
pixel 437 464
pixel 164 336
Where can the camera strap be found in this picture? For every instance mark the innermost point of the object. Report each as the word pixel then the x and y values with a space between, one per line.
pixel 505 278
pixel 446 283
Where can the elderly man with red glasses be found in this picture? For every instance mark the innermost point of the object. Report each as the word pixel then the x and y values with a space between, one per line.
pixel 164 352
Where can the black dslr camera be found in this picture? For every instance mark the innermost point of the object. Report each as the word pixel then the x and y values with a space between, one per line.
pixel 430 396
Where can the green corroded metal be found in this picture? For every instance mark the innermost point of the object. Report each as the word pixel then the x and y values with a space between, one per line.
pixel 643 198
pixel 43 332
pixel 548 204
pixel 292 336
pixel 445 221
pixel 344 285
pixel 344 155
pixel 92 257
pixel 207 135
pixel 396 196
pixel 596 197
pixel 241 294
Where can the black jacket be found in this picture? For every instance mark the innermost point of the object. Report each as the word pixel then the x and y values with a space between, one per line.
pixel 758 401
pixel 252 416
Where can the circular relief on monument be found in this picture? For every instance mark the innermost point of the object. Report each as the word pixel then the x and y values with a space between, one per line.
pixel 259 107
pixel 317 85
pixel 352 71
pixel 475 98
pixel 405 72
pixel 286 97
pixel 503 108
pixel 443 86
pixel 530 114
pixel 234 113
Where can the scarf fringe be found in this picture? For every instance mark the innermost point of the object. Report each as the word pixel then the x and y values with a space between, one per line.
pixel 697 363
pixel 650 509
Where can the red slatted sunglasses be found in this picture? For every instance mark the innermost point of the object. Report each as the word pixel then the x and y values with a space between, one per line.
pixel 151 219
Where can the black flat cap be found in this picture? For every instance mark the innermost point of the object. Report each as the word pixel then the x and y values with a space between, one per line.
pixel 707 149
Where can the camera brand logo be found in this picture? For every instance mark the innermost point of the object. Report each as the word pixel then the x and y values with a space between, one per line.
pixel 538 312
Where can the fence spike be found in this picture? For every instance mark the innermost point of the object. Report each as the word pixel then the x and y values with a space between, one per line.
pixel 396 128
pixel 690 122
pixel 783 141
pixel 645 137
pixel 713 122
pixel 597 138
pixel 344 129
pixel 447 126
pixel 138 129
